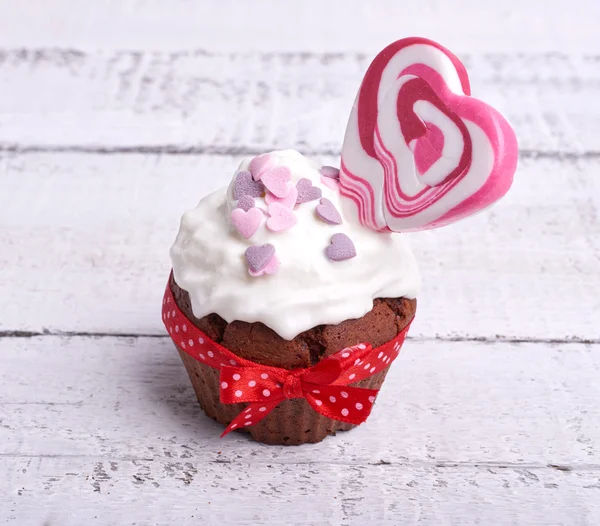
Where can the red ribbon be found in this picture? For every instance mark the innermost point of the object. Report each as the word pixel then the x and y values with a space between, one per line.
pixel 324 386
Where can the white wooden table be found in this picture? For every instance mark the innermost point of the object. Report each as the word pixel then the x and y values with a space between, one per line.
pixel 109 108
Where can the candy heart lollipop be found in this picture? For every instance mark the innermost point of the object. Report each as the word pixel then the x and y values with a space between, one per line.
pixel 419 151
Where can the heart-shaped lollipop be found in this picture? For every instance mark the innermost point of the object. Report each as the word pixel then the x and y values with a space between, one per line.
pixel 419 151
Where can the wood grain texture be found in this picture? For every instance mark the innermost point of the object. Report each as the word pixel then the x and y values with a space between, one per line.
pixel 68 492
pixel 91 233
pixel 310 25
pixel 106 428
pixel 203 102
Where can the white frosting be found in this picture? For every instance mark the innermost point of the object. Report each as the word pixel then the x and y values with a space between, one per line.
pixel 308 289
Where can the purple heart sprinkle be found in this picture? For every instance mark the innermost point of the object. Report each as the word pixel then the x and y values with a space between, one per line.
pixel 306 191
pixel 246 185
pixel 246 202
pixel 259 255
pixel 341 248
pixel 327 212
pixel 330 171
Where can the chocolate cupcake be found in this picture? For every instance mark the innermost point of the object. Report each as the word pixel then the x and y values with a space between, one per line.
pixel 303 300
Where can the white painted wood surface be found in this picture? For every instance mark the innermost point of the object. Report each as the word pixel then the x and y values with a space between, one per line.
pixel 310 25
pixel 488 437
pixel 109 108
pixel 208 102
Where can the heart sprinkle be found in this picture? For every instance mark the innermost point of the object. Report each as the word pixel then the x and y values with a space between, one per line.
pixel 288 201
pixel 330 171
pixel 246 202
pixel 327 212
pixel 246 222
pixel 341 248
pixel 276 180
pixel 259 165
pixel 281 217
pixel 333 184
pixel 258 256
pixel 306 191
pixel 270 268
pixel 245 185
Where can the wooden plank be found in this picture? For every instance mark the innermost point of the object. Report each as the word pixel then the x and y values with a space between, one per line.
pixel 71 492
pixel 226 102
pixel 311 25
pixel 108 430
pixel 444 403
pixel 84 247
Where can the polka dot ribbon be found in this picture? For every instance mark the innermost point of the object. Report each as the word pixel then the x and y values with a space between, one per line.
pixel 325 386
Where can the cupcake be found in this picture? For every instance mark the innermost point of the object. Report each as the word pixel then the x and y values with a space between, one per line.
pixel 303 304
pixel 292 289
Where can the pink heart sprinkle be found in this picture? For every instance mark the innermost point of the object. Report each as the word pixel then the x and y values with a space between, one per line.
pixel 258 256
pixel 333 184
pixel 327 211
pixel 281 217
pixel 289 200
pixel 306 191
pixel 341 248
pixel 276 180
pixel 245 185
pixel 246 223
pixel 246 202
pixel 271 267
pixel 330 171
pixel 259 165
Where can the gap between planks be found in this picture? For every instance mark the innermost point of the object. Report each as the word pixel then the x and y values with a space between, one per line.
pixel 227 151
pixel 478 339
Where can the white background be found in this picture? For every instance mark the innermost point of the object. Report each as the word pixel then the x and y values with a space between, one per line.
pixel 116 116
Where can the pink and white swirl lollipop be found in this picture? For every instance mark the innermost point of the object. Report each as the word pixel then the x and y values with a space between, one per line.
pixel 419 151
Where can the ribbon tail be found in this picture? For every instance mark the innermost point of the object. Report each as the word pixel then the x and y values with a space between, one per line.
pixel 251 416
pixel 344 403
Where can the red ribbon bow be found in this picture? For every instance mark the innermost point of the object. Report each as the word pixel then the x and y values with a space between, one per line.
pixel 324 386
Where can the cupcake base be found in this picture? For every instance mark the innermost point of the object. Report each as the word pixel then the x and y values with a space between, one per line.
pixel 293 421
